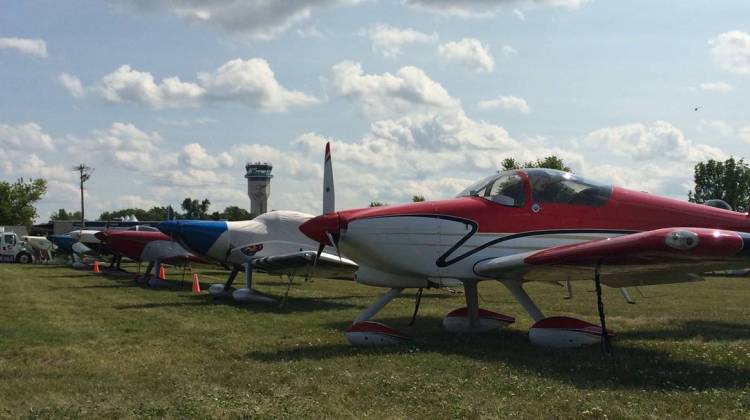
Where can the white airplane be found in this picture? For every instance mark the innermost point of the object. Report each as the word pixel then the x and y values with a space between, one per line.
pixel 42 245
pixel 271 243
pixel 528 225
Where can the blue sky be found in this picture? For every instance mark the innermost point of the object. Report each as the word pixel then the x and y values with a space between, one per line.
pixel 170 98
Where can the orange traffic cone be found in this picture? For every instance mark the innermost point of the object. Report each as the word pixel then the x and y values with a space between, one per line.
pixel 196 284
pixel 96 266
pixel 162 273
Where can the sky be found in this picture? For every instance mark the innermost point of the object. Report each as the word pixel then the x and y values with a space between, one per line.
pixel 168 99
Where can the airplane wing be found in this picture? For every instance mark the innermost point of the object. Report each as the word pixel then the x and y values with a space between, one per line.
pixel 668 255
pixel 300 263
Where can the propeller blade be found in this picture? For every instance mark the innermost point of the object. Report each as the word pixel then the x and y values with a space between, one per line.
pixel 329 197
pixel 317 257
pixel 335 242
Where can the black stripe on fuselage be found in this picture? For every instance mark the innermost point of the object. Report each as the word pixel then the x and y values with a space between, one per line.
pixel 443 260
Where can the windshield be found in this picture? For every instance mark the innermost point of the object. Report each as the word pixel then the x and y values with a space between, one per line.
pixel 505 188
pixel 552 186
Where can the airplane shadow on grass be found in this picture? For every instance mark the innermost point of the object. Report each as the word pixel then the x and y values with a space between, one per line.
pixel 693 329
pixel 631 366
pixel 292 305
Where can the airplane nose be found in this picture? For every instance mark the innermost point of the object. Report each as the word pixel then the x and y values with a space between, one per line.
pixel 196 235
pixel 64 242
pixel 169 227
pixel 101 236
pixel 317 228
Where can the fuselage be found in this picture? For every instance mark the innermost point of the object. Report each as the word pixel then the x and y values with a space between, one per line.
pixel 235 243
pixel 434 242
pixel 143 245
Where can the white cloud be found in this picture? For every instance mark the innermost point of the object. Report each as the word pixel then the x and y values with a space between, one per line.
pixel 655 142
pixel 253 83
pixel 258 19
pixel 72 84
pixel 720 87
pixel 122 145
pixel 196 156
pixel 719 127
pixel 745 134
pixel 513 103
pixel 468 52
pixel 487 8
pixel 388 40
pixel 508 50
pixel 27 137
pixel 128 85
pixel 409 90
pixel 731 51
pixel 186 122
pixel 250 82
pixel 28 46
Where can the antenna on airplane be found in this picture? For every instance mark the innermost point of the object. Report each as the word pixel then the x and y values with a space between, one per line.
pixel 84 175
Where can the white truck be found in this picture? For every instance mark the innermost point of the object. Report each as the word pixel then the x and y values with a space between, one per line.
pixel 12 249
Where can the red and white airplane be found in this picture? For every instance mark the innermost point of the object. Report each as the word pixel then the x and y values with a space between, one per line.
pixel 151 246
pixel 528 225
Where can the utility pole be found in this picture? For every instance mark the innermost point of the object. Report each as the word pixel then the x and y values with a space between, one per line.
pixel 84 174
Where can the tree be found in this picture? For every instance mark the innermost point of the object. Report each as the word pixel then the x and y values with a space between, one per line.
pixel 549 162
pixel 62 214
pixel 195 209
pixel 510 163
pixel 728 180
pixel 17 201
pixel 377 204
pixel 233 213
pixel 417 198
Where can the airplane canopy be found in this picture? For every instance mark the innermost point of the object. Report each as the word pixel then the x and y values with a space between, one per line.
pixel 545 185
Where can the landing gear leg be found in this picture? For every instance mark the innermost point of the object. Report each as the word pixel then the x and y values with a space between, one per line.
pixel 516 289
pixel 224 291
pixel 247 293
pixel 472 319
pixel 146 274
pixel 626 295
pixel 364 332
pixel 472 304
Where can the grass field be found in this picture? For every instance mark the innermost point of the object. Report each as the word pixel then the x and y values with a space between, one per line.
pixel 74 344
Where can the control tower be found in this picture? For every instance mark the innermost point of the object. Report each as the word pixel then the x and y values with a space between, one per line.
pixel 258 186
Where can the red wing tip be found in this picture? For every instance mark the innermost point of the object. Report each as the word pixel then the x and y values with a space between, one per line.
pixel 376 327
pixel 572 324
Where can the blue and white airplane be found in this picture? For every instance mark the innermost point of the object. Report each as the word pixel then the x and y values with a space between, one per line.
pixel 270 243
pixel 66 244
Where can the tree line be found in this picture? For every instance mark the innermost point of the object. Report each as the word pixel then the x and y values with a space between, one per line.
pixel 192 209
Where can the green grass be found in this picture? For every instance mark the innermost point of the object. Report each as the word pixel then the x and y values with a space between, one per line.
pixel 74 344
